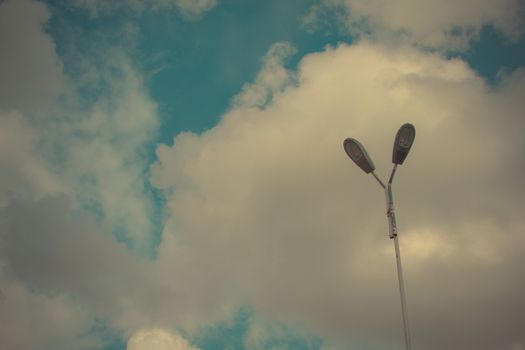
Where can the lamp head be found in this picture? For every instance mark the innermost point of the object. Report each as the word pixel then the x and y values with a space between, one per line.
pixel 404 139
pixel 358 154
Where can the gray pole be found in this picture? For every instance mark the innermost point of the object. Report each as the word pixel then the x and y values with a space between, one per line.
pixel 393 235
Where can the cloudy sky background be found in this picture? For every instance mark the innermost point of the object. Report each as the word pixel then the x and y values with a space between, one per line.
pixel 172 174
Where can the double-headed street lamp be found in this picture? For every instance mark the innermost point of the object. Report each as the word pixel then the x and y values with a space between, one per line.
pixel 402 144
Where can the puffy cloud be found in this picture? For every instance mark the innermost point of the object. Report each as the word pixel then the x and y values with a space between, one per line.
pixel 268 199
pixel 430 23
pixel 188 8
pixel 158 339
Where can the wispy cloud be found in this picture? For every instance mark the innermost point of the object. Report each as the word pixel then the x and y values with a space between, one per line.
pixel 272 79
pixel 158 339
pixel 443 25
pixel 94 152
pixel 190 9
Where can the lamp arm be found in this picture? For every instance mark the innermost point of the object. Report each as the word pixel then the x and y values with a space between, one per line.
pixel 378 180
pixel 392 175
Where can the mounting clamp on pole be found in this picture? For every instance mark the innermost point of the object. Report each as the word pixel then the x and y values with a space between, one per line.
pixel 390 213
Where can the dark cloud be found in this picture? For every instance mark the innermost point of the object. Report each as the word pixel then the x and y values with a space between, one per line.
pixel 30 69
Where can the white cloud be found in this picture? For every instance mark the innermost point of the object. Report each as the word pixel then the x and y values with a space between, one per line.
pixel 158 339
pixel 437 24
pixel 268 200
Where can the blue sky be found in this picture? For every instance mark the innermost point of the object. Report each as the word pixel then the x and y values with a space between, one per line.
pixel 174 176
pixel 185 60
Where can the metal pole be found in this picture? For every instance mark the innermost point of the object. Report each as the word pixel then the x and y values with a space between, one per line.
pixel 393 235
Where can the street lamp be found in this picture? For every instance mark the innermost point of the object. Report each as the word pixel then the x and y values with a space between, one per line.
pixel 403 142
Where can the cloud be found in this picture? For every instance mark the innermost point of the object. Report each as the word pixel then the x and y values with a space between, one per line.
pixel 30 69
pixel 61 255
pixel 33 321
pixel 190 9
pixel 25 173
pixel 69 254
pixel 115 132
pixel 158 339
pixel 268 199
pixel 72 178
pixel 271 79
pixel 264 209
pixel 73 181
pixel 94 151
pixel 262 334
pixel 435 24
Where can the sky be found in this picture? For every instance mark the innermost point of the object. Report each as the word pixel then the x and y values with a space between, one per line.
pixel 173 176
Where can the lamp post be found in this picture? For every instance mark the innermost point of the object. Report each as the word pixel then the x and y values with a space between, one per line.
pixel 402 144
